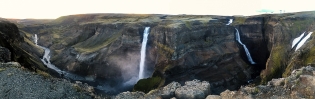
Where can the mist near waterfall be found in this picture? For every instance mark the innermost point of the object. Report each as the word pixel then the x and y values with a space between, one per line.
pixel 128 67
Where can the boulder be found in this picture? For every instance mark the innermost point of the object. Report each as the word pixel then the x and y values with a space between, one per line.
pixel 193 90
pixel 213 97
pixel 169 90
pixel 130 95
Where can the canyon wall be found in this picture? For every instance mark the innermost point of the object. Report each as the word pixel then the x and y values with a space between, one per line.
pixel 180 47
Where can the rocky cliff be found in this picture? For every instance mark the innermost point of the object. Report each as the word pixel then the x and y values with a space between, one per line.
pixel 18 48
pixel 180 48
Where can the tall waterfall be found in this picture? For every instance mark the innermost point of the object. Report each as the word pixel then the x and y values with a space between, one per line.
pixel 303 41
pixel 143 48
pixel 35 39
pixel 245 48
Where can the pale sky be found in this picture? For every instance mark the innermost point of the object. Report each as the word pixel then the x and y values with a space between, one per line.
pixel 51 9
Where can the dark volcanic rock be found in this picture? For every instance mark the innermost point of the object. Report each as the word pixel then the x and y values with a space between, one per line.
pixel 5 54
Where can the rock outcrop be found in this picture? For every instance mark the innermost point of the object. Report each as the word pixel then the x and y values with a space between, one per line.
pixel 130 95
pixel 191 90
pixel 300 84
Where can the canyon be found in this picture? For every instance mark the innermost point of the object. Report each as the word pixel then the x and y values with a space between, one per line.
pixel 105 49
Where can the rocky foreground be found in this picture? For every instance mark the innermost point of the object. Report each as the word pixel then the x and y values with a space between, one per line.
pixel 300 84
pixel 17 82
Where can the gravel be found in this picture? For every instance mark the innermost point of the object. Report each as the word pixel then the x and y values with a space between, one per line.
pixel 19 83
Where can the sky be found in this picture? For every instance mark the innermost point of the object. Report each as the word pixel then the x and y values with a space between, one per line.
pixel 51 9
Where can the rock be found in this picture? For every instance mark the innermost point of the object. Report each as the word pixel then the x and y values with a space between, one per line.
pixel 276 82
pixel 169 90
pixel 5 54
pixel 213 97
pixel 10 64
pixel 300 84
pixel 193 90
pixel 18 83
pixel 21 50
pixel 130 95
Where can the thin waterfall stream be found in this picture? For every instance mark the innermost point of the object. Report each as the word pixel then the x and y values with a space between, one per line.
pixel 238 39
pixel 245 48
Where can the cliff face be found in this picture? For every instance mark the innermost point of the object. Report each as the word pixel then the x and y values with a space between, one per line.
pixel 283 59
pixel 22 50
pixel 180 48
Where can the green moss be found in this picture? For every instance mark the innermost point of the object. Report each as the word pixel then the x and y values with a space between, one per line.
pixel 83 48
pixel 188 25
pixel 44 74
pixel 163 49
pixel 276 64
pixel 309 56
pixel 239 20
pixel 300 25
pixel 255 91
pixel 2 69
pixel 204 22
pixel 146 85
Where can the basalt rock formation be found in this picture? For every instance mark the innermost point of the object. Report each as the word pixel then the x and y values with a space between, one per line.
pixel 180 48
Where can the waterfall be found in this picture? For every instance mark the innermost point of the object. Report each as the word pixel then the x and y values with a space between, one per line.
pixel 46 61
pixel 303 41
pixel 143 48
pixel 231 20
pixel 67 75
pixel 35 39
pixel 245 48
pixel 296 40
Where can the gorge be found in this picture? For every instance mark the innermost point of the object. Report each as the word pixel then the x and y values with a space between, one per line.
pixel 108 50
